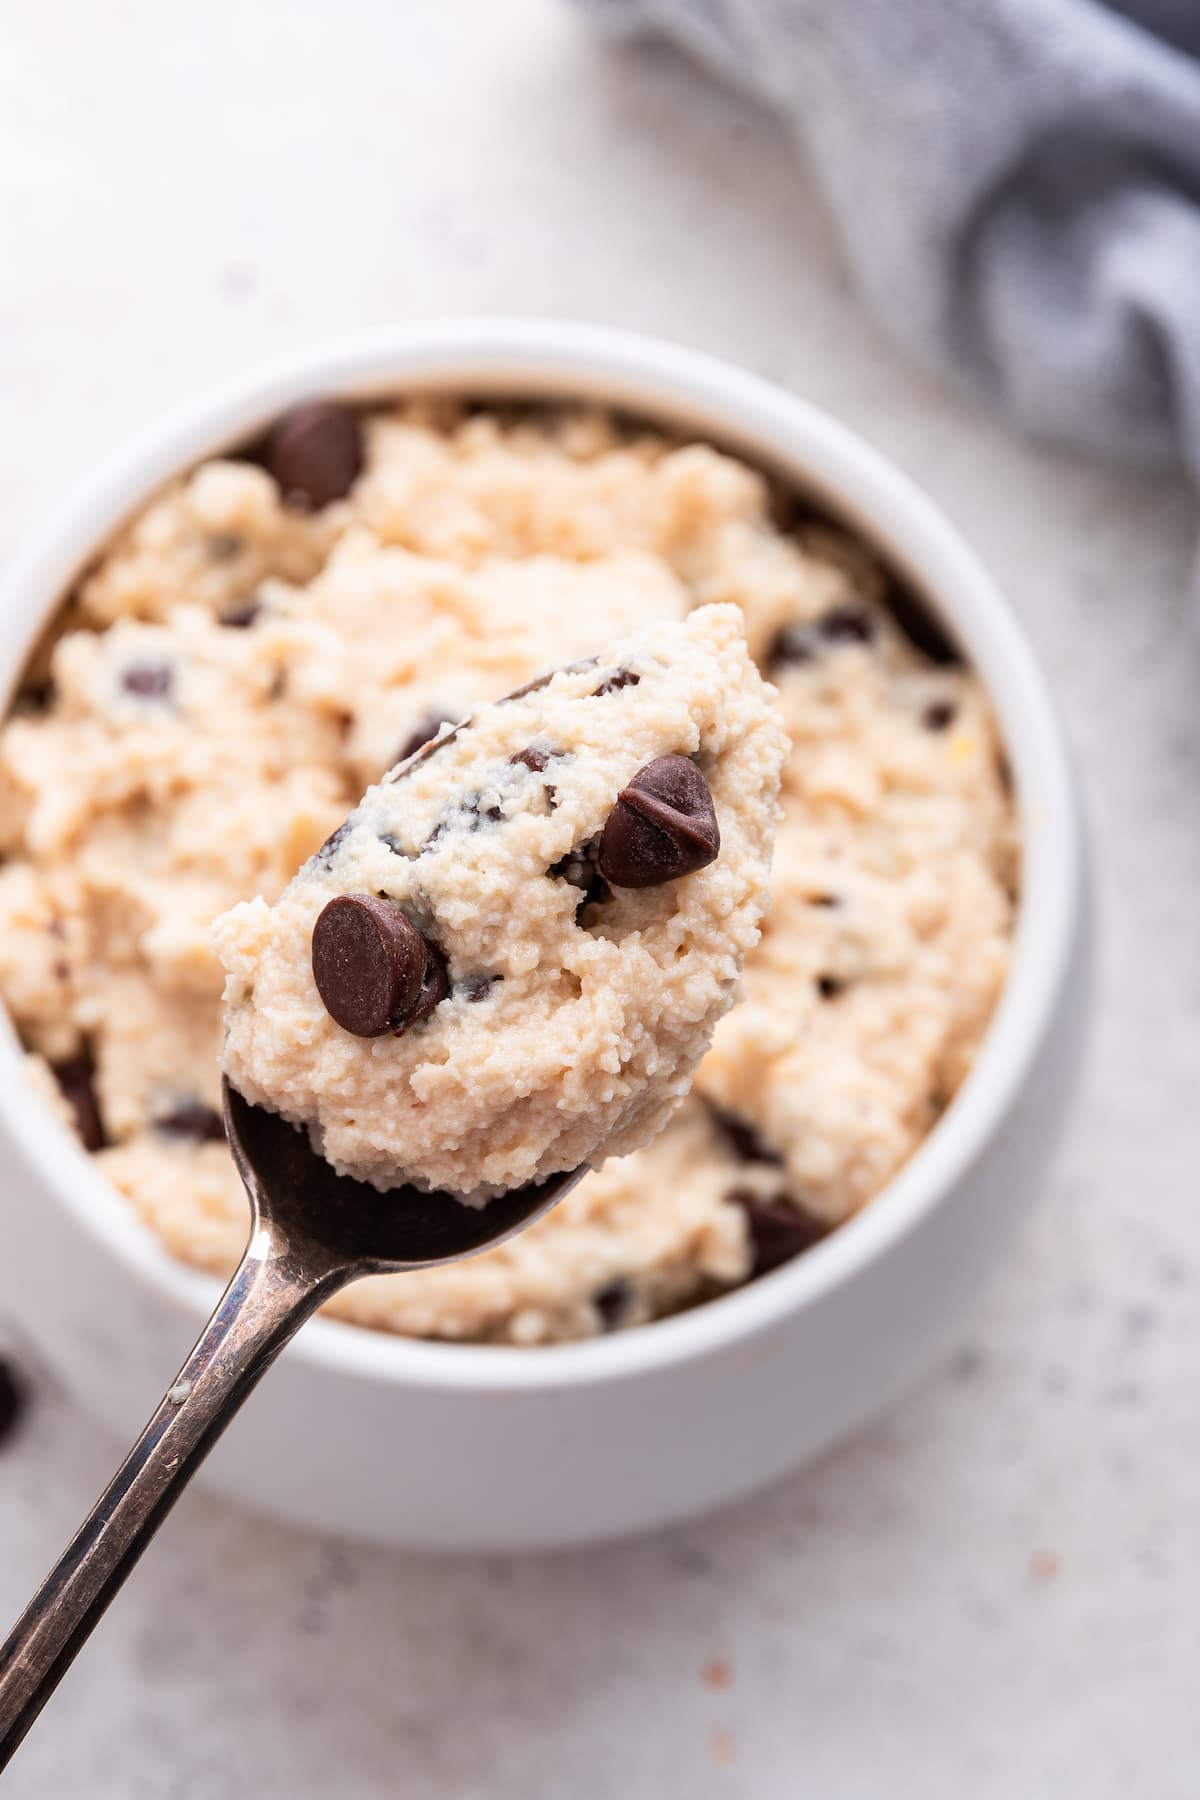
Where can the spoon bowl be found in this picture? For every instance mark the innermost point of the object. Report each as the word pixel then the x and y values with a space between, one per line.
pixel 334 1221
pixel 312 1231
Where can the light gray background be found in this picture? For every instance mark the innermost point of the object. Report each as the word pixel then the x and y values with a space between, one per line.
pixel 994 1593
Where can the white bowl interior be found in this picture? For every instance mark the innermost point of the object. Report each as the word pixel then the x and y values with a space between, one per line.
pixel 824 462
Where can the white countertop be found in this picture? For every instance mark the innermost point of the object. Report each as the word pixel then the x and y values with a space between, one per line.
pixel 993 1593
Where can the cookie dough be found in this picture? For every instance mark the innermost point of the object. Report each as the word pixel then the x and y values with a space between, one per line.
pixel 306 647
pixel 510 957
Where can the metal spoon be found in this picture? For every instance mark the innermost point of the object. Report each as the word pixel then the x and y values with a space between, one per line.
pixel 312 1232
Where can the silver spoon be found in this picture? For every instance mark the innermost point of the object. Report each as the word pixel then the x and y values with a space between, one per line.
pixel 312 1232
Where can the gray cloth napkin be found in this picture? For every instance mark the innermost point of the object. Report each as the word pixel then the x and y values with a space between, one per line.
pixel 1017 184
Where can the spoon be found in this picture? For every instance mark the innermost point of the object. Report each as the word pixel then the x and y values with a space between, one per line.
pixel 312 1231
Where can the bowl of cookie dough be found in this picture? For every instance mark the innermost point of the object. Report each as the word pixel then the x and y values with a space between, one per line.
pixel 208 654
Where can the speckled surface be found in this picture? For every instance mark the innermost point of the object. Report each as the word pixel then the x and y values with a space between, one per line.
pixel 992 1593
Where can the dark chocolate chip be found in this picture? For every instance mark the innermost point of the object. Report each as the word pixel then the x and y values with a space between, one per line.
pixel 393 844
pixel 193 1121
pixel 663 826
pixel 622 679
pixel 150 681
pixel 76 1077
pixel 422 733
pixel 825 900
pixel 829 987
pixel 369 964
pixel 12 1400
pixel 477 987
pixel 533 758
pixel 315 453
pixel 579 867
pixel 847 623
pixel 939 715
pixel 325 855
pixel 240 618
pixel 792 644
pixel 612 1302
pixel 778 1230
pixel 744 1139
pixel 467 813
pixel 435 985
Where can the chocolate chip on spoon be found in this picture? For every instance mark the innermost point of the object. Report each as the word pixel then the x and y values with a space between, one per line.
pixel 623 678
pixel 435 985
pixel 663 826
pixel 372 966
pixel 315 453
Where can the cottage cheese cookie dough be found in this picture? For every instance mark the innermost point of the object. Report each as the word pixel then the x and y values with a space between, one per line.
pixel 510 957
pixel 275 630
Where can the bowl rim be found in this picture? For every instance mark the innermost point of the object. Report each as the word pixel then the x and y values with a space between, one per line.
pixel 528 357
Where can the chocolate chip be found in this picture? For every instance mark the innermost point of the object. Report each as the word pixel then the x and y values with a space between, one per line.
pixel 223 546
pixel 371 966
pixel 939 715
pixel 393 844
pixel 622 679
pixel 744 1139
pixel 12 1400
pixel 829 987
pixel 847 623
pixel 150 681
pixel 533 758
pixel 612 1302
pixel 663 826
pixel 778 1230
pixel 421 734
pixel 324 857
pixel 467 813
pixel 792 644
pixel 193 1121
pixel 240 618
pixel 315 453
pixel 76 1077
pixel 435 985
pixel 579 867
pixel 825 900
pixel 477 987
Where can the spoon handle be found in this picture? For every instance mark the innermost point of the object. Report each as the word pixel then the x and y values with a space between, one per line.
pixel 264 1305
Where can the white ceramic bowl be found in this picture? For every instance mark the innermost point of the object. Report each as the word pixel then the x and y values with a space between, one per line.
pixel 467 1446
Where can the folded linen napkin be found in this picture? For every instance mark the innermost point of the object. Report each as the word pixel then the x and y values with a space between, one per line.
pixel 1017 184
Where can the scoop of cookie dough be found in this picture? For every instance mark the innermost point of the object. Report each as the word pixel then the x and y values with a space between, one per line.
pixel 511 956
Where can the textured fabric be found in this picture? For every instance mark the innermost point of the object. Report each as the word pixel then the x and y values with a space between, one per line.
pixel 1017 184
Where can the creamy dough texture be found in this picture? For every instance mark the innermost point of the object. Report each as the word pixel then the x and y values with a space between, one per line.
pixel 234 673
pixel 573 1012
